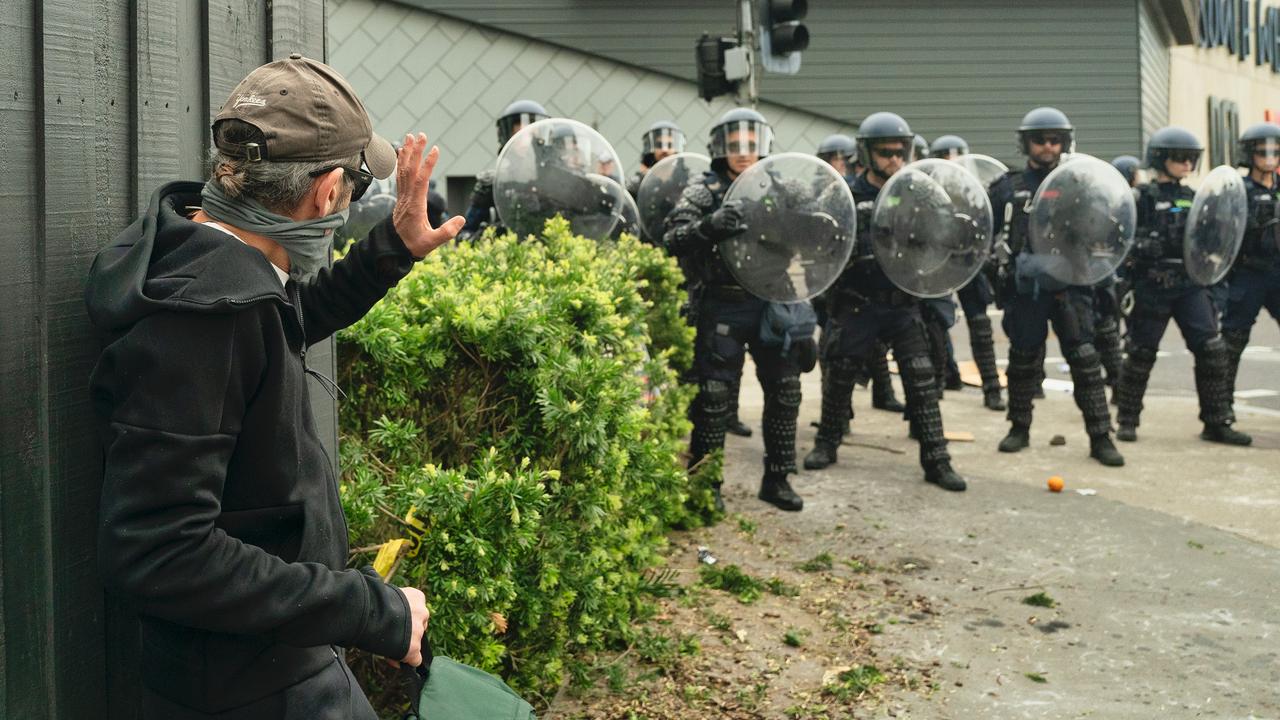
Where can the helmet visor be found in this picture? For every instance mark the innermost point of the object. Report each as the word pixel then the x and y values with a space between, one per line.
pixel 1270 147
pixel 509 125
pixel 668 139
pixel 745 137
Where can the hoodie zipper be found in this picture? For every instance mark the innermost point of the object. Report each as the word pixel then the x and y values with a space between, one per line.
pixel 329 386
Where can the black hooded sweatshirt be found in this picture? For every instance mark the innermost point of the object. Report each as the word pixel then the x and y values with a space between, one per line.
pixel 220 518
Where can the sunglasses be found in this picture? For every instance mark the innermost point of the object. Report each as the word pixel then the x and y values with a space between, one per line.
pixel 1183 156
pixel 890 153
pixel 1048 139
pixel 360 180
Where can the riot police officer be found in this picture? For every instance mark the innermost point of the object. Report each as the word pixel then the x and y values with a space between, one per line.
pixel 838 151
pixel 1163 290
pixel 865 306
pixel 975 297
pixel 1254 282
pixel 948 147
pixel 729 317
pixel 1128 166
pixel 663 139
pixel 1045 133
pixel 480 210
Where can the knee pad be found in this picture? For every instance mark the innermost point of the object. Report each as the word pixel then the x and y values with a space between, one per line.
pixel 1141 355
pixel 786 391
pixel 1236 340
pixel 713 397
pixel 1084 355
pixel 1212 346
pixel 1025 360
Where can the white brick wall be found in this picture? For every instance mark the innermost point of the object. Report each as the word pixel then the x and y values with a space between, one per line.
pixel 420 71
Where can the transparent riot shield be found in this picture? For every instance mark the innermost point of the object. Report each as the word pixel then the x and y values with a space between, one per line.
pixel 628 214
pixel 1215 226
pixel 984 167
pixel 801 222
pixel 931 228
pixel 373 208
pixel 1083 219
pixel 558 167
pixel 661 187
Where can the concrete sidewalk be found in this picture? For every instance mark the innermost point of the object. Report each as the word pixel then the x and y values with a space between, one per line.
pixel 1165 580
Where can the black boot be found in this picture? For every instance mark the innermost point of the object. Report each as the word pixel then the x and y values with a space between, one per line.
pixel 953 376
pixel 1104 451
pixel 942 475
pixel 1018 438
pixel 776 490
pixel 1225 434
pixel 715 491
pixel 737 427
pixel 1127 433
pixel 992 399
pixel 822 455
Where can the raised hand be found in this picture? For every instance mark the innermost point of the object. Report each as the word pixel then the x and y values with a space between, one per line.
pixel 410 215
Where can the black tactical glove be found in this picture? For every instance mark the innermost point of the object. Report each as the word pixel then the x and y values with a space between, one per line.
pixel 482 193
pixel 723 223
pixel 1148 248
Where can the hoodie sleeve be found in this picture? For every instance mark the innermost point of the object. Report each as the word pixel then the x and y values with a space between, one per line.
pixel 173 391
pixel 341 295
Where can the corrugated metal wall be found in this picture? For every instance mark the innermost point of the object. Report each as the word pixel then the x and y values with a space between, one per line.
pixel 970 67
pixel 100 103
pixel 403 61
pixel 1153 49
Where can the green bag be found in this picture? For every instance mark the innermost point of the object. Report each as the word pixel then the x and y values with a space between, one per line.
pixel 448 690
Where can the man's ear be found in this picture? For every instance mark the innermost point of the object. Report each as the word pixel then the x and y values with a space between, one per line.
pixel 325 193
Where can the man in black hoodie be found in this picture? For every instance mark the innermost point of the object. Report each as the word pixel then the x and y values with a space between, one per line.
pixel 220 518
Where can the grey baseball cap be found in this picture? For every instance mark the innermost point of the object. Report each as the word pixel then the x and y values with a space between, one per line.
pixel 306 111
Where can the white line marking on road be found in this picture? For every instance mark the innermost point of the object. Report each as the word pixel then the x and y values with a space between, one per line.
pixel 1257 349
pixel 1256 393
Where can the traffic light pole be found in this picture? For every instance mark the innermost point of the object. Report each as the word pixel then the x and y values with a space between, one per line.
pixel 747 33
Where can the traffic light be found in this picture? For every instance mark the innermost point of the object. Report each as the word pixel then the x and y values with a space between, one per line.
pixel 712 80
pixel 782 35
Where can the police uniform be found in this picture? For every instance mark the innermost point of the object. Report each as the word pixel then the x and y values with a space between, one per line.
pixel 1030 310
pixel 865 307
pixel 1254 282
pixel 728 327
pixel 1162 290
pixel 1032 302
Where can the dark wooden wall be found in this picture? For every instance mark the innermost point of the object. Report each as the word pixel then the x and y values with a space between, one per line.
pixel 101 101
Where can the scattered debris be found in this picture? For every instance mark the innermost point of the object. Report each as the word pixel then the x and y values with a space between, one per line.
pixel 1057 440
pixel 1040 599
pixel 705 557
pixel 1036 677
pixel 1087 492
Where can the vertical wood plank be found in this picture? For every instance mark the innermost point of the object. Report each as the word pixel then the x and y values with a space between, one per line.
pixel 298 26
pixel 26 630
pixel 237 43
pixel 88 197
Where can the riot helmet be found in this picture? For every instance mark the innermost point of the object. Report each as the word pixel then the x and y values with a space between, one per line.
pixel 948 147
pixel 1045 123
pixel 1262 137
pixel 882 127
pixel 741 131
pixel 1128 167
pixel 663 136
pixel 519 114
pixel 838 150
pixel 1176 144
pixel 919 147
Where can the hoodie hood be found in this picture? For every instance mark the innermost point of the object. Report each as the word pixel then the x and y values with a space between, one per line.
pixel 164 261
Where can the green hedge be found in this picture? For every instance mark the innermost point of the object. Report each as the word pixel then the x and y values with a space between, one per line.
pixel 513 414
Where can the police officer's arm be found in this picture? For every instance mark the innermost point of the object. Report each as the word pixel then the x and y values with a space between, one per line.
pixel 684 233
pixel 481 202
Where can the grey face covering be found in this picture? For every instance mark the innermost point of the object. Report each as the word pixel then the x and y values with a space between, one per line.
pixel 307 242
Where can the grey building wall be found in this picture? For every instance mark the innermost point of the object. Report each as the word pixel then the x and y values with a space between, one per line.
pixel 1153 57
pixel 101 102
pixel 971 67
pixel 422 71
